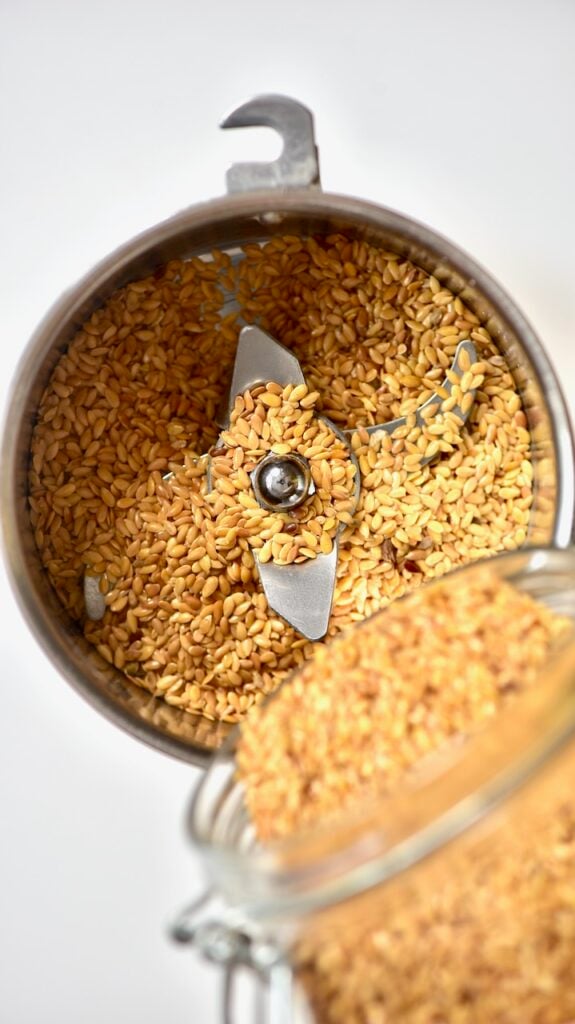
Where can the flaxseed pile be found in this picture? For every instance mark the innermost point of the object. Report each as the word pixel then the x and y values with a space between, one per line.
pixel 487 935
pixel 136 396
pixel 281 421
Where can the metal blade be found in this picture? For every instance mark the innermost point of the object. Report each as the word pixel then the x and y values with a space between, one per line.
pixel 259 359
pixel 94 600
pixel 435 400
pixel 302 594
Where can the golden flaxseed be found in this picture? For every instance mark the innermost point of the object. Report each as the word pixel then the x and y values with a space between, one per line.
pixel 137 394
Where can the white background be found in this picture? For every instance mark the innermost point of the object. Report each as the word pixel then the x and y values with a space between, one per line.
pixel 457 113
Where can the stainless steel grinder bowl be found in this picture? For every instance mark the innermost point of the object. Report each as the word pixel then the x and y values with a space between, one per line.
pixel 263 200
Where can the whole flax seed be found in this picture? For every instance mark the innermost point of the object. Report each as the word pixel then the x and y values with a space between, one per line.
pixel 136 395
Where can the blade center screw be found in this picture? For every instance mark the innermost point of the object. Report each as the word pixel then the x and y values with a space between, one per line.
pixel 282 482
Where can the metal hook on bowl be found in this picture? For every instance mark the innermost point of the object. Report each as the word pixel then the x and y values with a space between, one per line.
pixel 298 163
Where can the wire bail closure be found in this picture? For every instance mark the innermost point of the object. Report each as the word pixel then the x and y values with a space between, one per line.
pixel 209 926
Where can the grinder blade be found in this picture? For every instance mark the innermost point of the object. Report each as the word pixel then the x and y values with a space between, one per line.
pixel 302 592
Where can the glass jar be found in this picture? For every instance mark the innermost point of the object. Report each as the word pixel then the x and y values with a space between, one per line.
pixel 453 899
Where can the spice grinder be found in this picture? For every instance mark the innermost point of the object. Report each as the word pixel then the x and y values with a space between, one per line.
pixel 264 201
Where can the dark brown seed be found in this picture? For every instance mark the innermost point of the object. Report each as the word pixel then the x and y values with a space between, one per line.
pixel 389 554
pixel 412 566
pixel 299 513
